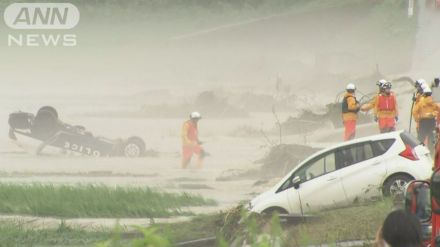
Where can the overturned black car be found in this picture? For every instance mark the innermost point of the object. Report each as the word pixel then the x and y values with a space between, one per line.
pixel 46 127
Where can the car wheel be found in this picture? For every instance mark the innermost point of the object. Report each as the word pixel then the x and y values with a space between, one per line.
pixel 134 147
pixel 45 125
pixel 49 109
pixel 395 185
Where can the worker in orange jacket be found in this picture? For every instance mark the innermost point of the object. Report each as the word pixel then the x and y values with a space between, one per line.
pixel 425 114
pixel 190 141
pixel 420 85
pixel 350 109
pixel 385 109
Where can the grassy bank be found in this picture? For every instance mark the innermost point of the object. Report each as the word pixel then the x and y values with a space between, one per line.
pixel 93 201
pixel 358 222
pixel 15 233
pixel 353 223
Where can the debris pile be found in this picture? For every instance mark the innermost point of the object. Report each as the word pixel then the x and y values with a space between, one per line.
pixel 308 120
pixel 283 158
pixel 279 160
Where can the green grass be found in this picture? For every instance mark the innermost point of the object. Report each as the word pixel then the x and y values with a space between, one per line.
pixel 94 201
pixel 353 223
pixel 357 222
pixel 15 233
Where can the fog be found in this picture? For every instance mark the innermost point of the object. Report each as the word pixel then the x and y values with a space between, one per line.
pixel 140 71
pixel 327 46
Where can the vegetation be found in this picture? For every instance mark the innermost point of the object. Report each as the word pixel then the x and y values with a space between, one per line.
pixel 233 228
pixel 93 201
pixel 237 227
pixel 354 223
pixel 14 233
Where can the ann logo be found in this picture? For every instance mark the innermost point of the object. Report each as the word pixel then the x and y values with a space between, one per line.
pixel 41 16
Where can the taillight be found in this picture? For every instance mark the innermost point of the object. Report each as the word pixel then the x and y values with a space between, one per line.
pixel 409 153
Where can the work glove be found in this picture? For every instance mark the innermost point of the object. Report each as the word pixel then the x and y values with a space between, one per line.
pixel 397 118
pixel 375 119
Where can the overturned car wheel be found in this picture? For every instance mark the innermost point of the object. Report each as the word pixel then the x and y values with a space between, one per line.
pixel 134 147
pixel 45 124
pixel 50 109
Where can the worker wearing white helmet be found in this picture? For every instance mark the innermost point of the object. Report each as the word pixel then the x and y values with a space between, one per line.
pixel 350 109
pixel 425 114
pixel 385 108
pixel 190 140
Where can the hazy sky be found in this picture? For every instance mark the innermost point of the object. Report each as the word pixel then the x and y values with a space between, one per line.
pixel 120 54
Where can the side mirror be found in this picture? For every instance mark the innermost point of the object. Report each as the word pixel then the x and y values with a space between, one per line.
pixel 417 199
pixel 296 181
pixel 435 191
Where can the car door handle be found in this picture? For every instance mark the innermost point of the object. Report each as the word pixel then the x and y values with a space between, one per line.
pixel 331 179
pixel 376 163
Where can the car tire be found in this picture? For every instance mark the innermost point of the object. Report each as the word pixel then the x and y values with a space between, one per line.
pixel 134 147
pixel 49 109
pixel 45 125
pixel 395 185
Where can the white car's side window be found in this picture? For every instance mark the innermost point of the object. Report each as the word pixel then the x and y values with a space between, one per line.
pixel 316 169
pixel 330 162
pixel 354 154
pixel 319 167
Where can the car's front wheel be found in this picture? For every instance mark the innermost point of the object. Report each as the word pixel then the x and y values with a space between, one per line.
pixel 134 147
pixel 395 185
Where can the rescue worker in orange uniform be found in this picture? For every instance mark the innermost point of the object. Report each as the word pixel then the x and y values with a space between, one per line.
pixel 350 109
pixel 385 109
pixel 425 114
pixel 190 141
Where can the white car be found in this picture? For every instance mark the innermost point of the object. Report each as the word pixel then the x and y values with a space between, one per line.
pixel 351 171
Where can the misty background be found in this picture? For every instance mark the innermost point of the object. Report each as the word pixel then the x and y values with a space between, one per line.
pixel 132 53
pixel 141 66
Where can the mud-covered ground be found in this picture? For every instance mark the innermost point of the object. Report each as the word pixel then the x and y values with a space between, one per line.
pixel 231 155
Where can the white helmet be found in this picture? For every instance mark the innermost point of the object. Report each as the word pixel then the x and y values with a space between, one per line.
pixel 387 84
pixel 351 86
pixel 195 115
pixel 420 82
pixel 381 82
pixel 427 90
pixel 424 86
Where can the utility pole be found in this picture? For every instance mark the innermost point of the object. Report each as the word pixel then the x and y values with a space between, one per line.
pixel 410 8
